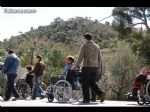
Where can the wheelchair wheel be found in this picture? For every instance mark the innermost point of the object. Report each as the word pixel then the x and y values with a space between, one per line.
pixel 148 89
pixel 62 91
pixel 140 98
pixel 147 102
pixel 77 94
pixel 141 101
pixel 50 97
pixel 23 90
pixel 49 93
pixel 148 92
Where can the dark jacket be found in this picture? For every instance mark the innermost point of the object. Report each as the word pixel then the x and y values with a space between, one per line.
pixel 39 68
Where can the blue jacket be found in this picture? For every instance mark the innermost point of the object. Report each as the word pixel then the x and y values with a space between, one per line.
pixel 11 64
pixel 64 74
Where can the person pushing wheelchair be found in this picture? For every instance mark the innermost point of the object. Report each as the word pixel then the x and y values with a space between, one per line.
pixel 91 57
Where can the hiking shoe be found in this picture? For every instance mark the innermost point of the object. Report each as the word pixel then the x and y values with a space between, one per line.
pixel 14 99
pixel 42 96
pixel 84 101
pixel 33 98
pixel 93 100
pixel 5 99
pixel 128 94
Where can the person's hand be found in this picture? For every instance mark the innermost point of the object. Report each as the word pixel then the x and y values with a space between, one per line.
pixel 72 68
pixel 62 77
pixel 5 76
pixel 98 71
pixel 99 74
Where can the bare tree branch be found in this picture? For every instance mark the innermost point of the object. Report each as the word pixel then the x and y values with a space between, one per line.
pixel 145 20
pixel 137 17
pixel 134 24
pixel 115 91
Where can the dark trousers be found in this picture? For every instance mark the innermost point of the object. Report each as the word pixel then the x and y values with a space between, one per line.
pixel 29 81
pixel 10 86
pixel 89 81
pixel 93 93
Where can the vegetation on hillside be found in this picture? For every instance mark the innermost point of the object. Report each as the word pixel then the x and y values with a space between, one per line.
pixel 60 31
pixel 124 48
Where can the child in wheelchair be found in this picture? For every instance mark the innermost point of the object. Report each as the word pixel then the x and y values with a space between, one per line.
pixel 29 77
pixel 70 73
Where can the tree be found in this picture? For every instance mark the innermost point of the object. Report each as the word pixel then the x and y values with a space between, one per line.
pixel 54 63
pixel 31 28
pixel 124 67
pixel 124 17
pixel 20 32
pixel 26 59
pixel 107 23
pixel 129 14
pixel 2 53
pixel 57 22
pixel 122 29
pixel 144 48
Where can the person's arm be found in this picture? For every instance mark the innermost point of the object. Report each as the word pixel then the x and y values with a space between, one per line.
pixel 44 66
pixel 81 56
pixel 35 69
pixel 6 65
pixel 99 71
pixel 99 58
pixel 65 71
pixel 63 75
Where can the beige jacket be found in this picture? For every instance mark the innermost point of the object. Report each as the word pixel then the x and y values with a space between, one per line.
pixel 90 55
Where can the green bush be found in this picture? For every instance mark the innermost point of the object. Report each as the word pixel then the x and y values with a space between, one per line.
pixel 124 67
pixel 54 63
pixel 26 59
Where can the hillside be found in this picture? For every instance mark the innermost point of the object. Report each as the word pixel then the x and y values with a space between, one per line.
pixel 61 34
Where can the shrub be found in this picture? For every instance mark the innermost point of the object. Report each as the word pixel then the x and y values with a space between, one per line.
pixel 124 67
pixel 54 63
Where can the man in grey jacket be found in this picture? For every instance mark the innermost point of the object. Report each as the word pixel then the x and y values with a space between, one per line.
pixel 91 57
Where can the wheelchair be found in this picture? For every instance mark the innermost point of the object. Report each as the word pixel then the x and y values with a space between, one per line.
pixel 143 92
pixel 64 90
pixel 23 88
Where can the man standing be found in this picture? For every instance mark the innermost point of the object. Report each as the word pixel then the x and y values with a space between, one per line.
pixel 38 72
pixel 10 69
pixel 91 57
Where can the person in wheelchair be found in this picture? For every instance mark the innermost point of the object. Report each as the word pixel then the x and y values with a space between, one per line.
pixel 69 73
pixel 141 79
pixel 29 77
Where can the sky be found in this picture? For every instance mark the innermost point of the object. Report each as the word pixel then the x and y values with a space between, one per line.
pixel 11 24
